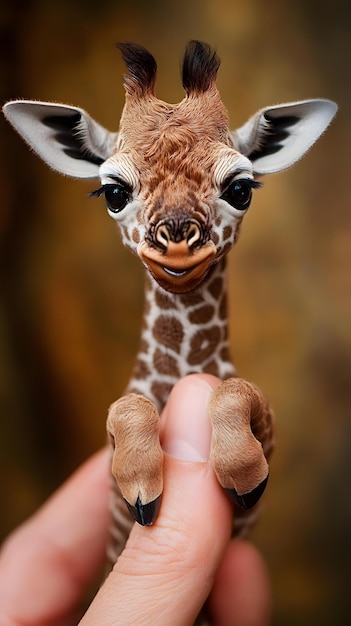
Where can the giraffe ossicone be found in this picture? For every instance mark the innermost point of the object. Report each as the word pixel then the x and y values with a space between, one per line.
pixel 178 182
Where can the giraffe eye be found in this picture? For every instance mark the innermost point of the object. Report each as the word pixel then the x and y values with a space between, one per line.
pixel 238 193
pixel 117 197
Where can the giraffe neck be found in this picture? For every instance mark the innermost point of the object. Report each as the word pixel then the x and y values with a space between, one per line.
pixel 182 334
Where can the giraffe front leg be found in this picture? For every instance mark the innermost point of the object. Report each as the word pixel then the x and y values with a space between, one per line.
pixel 242 439
pixel 137 464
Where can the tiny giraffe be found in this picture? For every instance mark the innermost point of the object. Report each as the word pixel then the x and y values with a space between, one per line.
pixel 178 182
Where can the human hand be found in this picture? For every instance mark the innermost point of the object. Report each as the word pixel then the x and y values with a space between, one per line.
pixel 166 571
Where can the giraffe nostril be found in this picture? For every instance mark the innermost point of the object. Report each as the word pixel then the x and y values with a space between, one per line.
pixel 193 235
pixel 162 235
pixel 176 231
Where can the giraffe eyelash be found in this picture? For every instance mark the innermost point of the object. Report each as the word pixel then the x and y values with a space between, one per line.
pixel 97 192
pixel 118 181
pixel 253 184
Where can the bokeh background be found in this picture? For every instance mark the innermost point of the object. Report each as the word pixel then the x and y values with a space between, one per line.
pixel 71 295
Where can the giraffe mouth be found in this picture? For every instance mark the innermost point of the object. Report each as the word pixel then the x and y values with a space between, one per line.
pixel 178 270
pixel 176 273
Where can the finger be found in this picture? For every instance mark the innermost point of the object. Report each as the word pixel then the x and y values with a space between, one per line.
pixel 46 564
pixel 241 593
pixel 166 571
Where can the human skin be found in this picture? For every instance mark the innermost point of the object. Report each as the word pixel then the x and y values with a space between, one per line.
pixel 167 571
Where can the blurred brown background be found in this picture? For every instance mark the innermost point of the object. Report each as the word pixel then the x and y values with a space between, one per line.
pixel 71 295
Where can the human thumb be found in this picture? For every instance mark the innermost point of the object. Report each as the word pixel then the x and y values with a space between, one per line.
pixel 166 571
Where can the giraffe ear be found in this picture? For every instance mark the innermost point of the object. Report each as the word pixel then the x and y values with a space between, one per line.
pixel 65 137
pixel 278 136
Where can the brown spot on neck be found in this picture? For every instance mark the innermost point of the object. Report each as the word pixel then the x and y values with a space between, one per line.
pixel 216 287
pixel 211 368
pixel 223 307
pixel 169 332
pixel 141 370
pixel 164 363
pixel 163 301
pixel 203 345
pixel 202 314
pixel 192 298
pixel 161 392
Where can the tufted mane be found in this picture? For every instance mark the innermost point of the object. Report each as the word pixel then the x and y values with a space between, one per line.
pixel 142 68
pixel 200 67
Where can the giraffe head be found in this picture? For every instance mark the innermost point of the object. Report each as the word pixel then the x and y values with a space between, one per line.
pixel 175 178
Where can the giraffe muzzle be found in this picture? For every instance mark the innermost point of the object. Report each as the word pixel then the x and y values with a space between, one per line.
pixel 178 269
pixel 171 230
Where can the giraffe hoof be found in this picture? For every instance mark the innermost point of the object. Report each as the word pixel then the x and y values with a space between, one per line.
pixel 247 500
pixel 144 514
